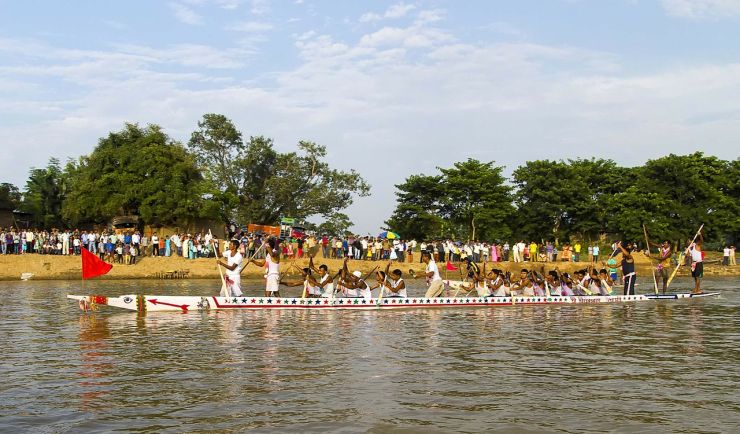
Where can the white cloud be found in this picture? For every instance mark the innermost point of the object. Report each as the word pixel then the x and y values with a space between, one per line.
pixel 399 10
pixel 229 4
pixel 260 7
pixel 504 28
pixel 395 11
pixel 702 9
pixel 369 16
pixel 185 14
pixel 250 27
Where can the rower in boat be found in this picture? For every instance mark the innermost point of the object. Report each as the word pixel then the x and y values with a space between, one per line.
pixel 312 287
pixel 552 280
pixel 272 277
pixel 580 283
pixel 606 280
pixel 472 268
pixel 524 285
pixel 393 284
pixel 566 284
pixel 354 283
pixel 595 284
pixel 324 283
pixel 497 284
pixel 538 283
pixel 478 281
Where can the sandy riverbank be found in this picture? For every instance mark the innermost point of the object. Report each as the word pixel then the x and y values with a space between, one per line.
pixel 44 267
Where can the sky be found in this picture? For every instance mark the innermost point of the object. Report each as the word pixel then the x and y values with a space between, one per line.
pixel 390 88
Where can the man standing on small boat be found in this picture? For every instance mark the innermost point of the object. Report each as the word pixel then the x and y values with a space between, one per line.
pixel 697 263
pixel 436 285
pixel 664 263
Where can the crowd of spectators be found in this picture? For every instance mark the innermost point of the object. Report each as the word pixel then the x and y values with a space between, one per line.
pixel 125 246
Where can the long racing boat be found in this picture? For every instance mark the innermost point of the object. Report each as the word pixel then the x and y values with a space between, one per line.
pixel 155 303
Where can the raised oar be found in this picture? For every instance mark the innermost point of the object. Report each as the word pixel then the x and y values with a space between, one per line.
pixel 683 254
pixel 252 257
pixel 647 246
pixel 224 289
pixel 382 287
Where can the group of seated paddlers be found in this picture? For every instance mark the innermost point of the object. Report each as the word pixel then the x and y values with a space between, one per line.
pixel 319 282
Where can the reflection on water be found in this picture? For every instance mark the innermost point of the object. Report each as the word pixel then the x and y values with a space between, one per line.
pixel 663 366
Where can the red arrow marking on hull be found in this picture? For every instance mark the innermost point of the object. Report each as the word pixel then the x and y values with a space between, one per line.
pixel 154 301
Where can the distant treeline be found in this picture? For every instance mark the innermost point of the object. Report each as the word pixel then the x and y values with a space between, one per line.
pixel 141 171
pixel 573 199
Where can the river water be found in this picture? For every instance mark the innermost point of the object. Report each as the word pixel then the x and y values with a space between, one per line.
pixel 669 366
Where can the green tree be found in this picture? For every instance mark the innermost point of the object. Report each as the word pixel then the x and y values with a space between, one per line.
pixel 559 199
pixel 338 224
pixel 545 197
pixel 696 189
pixel 469 200
pixel 416 215
pixel 477 199
pixel 44 193
pixel 137 171
pixel 255 183
pixel 10 197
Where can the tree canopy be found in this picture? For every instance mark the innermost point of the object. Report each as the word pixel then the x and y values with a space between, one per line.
pixel 469 199
pixel 137 171
pixel 253 182
pixel 566 199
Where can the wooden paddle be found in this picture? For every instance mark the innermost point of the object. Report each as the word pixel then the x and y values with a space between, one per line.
pixel 253 256
pixel 382 288
pixel 647 246
pixel 683 254
pixel 224 289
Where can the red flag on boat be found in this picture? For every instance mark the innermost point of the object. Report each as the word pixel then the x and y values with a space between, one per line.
pixel 92 266
pixel 451 267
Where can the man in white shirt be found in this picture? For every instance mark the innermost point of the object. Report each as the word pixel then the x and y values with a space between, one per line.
pixel 436 285
pixel 272 278
pixel 155 244
pixel 233 267
pixel 65 243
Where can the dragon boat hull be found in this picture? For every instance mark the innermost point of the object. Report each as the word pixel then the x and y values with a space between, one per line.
pixel 155 303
